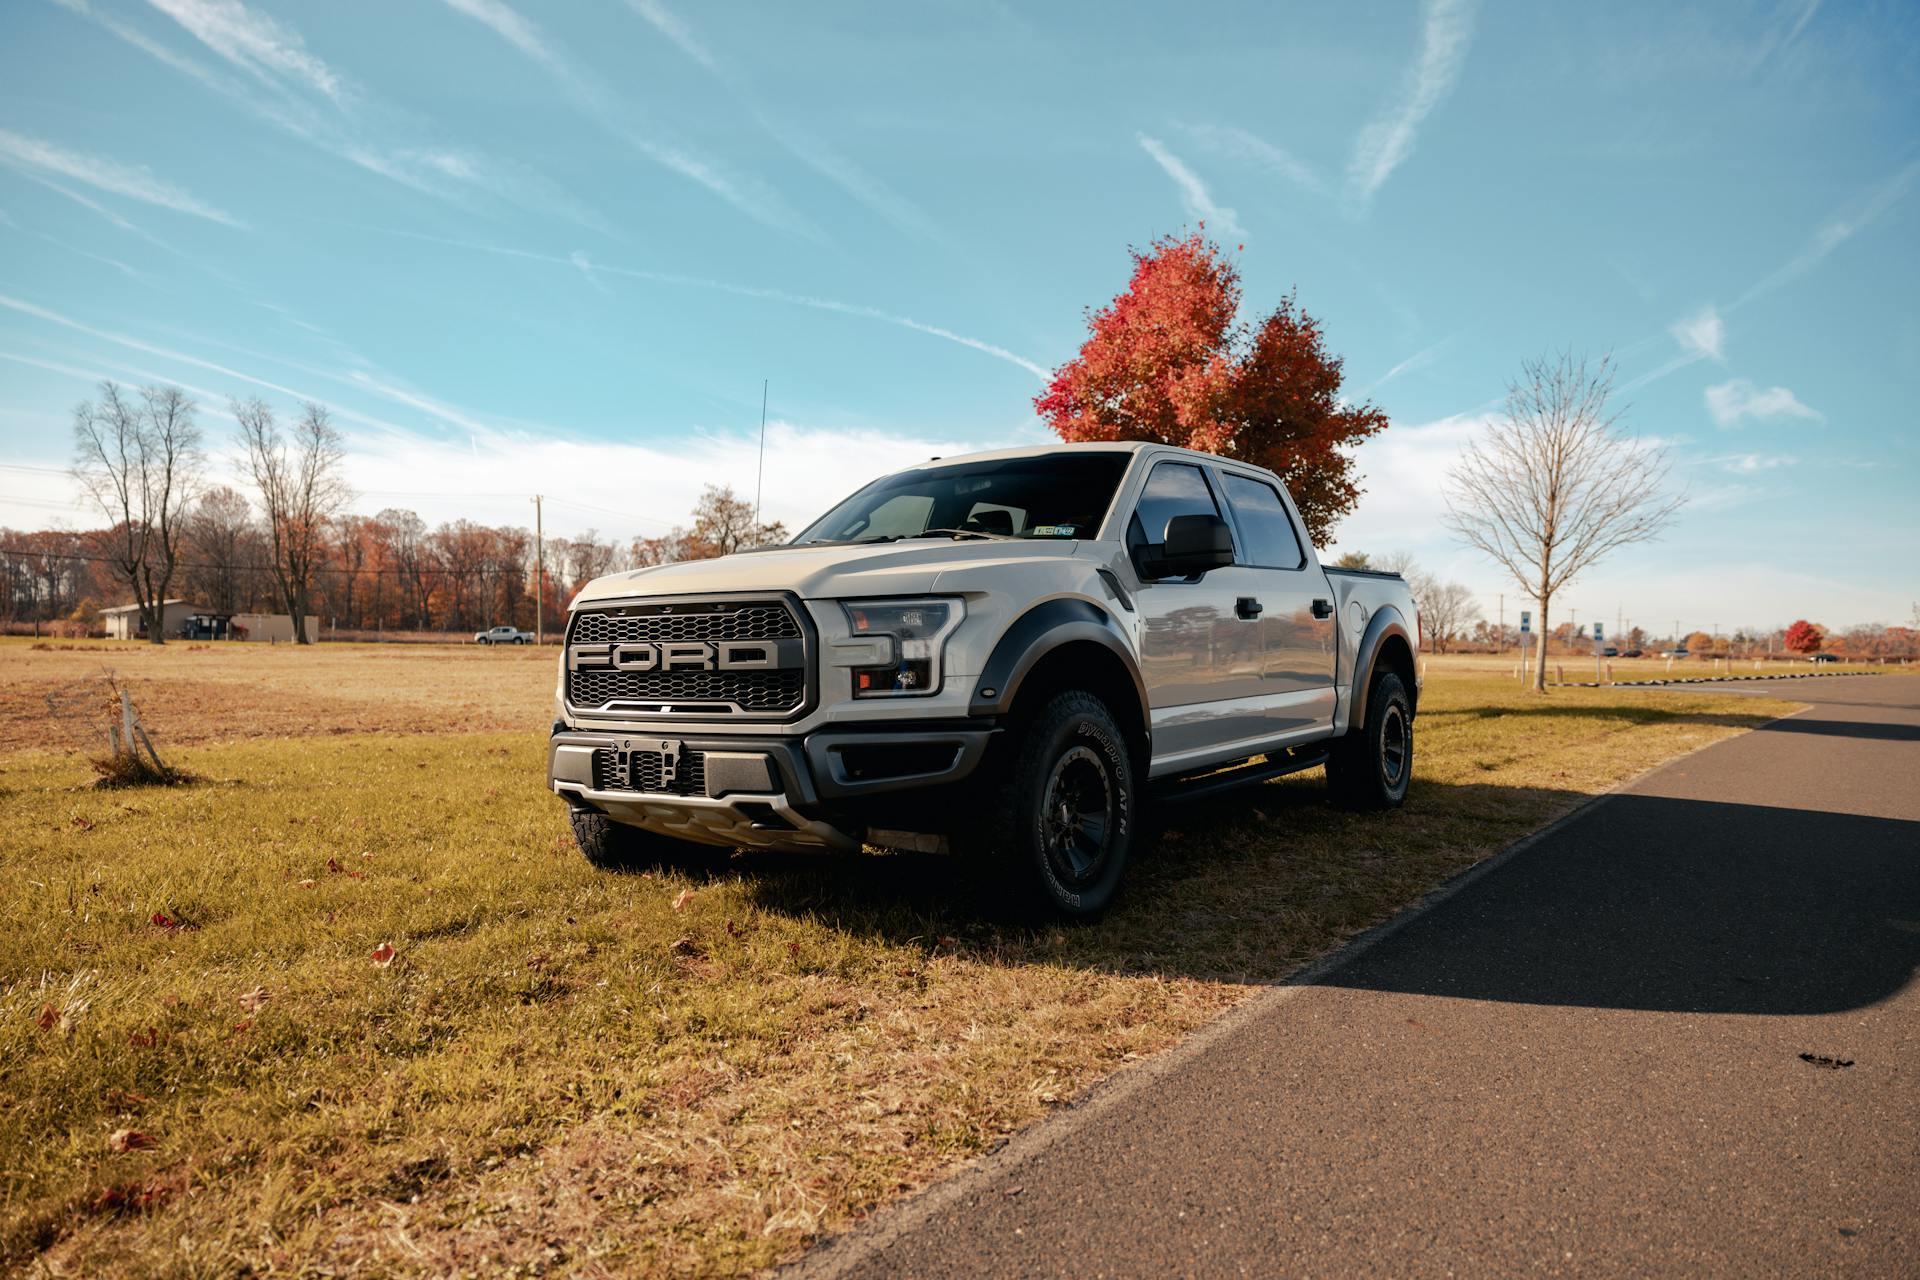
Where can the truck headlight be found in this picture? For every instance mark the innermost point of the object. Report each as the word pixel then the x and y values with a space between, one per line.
pixel 918 630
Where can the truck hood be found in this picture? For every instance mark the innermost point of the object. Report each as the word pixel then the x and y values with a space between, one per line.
pixel 827 572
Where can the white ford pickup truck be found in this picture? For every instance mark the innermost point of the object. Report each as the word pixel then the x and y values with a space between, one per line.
pixel 1006 654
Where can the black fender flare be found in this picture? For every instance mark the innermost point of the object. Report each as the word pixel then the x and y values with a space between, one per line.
pixel 1038 632
pixel 1386 621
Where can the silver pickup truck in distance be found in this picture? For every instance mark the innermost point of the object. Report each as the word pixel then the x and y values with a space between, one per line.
pixel 1007 654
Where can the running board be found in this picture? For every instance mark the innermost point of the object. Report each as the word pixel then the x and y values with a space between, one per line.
pixel 1200 786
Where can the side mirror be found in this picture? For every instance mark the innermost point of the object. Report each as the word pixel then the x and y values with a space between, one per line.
pixel 1194 545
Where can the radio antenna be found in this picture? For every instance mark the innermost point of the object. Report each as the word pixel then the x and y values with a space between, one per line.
pixel 760 471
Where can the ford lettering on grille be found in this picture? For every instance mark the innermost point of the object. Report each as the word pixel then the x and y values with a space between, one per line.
pixel 687 655
pixel 732 658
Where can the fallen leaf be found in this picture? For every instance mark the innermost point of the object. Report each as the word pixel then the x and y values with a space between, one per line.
pixel 685 947
pixel 367 856
pixel 334 866
pixel 161 920
pixel 307 884
pixel 85 824
pixel 383 954
pixel 49 1016
pixel 121 1140
pixel 538 960
pixel 252 1000
pixel 143 1039
pixel 945 941
pixel 680 903
pixel 793 948
pixel 242 1025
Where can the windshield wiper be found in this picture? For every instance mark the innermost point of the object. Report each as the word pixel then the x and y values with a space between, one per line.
pixel 963 533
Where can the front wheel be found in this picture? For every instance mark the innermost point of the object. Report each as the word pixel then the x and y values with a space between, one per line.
pixel 615 846
pixel 1372 766
pixel 1062 820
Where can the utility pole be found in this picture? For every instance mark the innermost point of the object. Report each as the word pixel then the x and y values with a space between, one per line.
pixel 539 575
pixel 1500 636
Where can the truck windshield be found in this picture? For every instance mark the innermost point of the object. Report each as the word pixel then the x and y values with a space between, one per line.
pixel 1062 496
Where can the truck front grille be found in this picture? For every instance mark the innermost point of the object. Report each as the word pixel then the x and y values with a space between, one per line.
pixel 767 693
pixel 644 771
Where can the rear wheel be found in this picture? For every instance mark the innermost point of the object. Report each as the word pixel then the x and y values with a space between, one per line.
pixel 615 846
pixel 1372 766
pixel 1060 816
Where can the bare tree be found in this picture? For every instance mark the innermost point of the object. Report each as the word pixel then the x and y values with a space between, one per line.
pixel 219 535
pixel 140 464
pixel 589 557
pixel 301 490
pixel 724 524
pixel 1445 612
pixel 1558 483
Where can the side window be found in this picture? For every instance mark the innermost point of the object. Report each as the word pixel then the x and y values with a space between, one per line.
pixel 1271 541
pixel 1173 489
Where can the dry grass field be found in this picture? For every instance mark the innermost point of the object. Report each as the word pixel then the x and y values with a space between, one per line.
pixel 212 1064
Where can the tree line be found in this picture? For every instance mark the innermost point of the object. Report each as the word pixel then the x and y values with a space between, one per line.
pixel 284 541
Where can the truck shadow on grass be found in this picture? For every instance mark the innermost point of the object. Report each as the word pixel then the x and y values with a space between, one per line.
pixel 1639 902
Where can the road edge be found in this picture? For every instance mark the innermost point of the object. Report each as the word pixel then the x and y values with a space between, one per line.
pixel 866 1237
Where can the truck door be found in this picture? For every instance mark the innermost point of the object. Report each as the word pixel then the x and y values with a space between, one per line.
pixel 1296 608
pixel 1201 650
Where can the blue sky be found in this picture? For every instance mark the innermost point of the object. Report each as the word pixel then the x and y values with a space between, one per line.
pixel 527 248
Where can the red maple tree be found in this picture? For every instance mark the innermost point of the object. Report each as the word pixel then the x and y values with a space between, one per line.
pixel 1804 638
pixel 1170 360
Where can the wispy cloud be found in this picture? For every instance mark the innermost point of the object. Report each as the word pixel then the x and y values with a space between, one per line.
pixel 1848 222
pixel 255 43
pixel 299 95
pixel 1702 336
pixel 136 182
pixel 779 124
pixel 1747 464
pixel 668 24
pixel 515 30
pixel 1731 403
pixel 1236 143
pixel 580 259
pixel 593 98
pixel 1418 360
pixel 180 357
pixel 1194 195
pixel 1388 139
pixel 856 309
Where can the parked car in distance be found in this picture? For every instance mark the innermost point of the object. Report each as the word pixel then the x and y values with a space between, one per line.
pixel 1609 652
pixel 1634 653
pixel 1823 657
pixel 1681 652
pixel 502 635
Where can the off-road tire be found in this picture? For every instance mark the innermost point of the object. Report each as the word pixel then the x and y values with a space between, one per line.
pixel 1371 766
pixel 615 846
pixel 1058 809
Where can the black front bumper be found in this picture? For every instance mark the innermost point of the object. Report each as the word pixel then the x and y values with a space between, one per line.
pixel 820 790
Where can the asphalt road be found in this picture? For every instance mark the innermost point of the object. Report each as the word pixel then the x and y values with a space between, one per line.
pixel 1588 1059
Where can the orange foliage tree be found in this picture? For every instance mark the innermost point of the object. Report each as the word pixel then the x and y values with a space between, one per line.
pixel 1169 360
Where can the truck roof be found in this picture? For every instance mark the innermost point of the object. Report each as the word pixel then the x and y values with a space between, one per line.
pixel 1090 446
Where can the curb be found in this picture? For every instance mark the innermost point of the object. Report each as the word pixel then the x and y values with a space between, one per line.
pixel 1654 684
pixel 866 1237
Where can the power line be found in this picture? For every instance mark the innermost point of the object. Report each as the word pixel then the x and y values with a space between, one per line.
pixel 421 572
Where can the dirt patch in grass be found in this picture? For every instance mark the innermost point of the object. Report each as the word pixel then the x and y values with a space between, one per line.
pixel 195 693
pixel 698 1068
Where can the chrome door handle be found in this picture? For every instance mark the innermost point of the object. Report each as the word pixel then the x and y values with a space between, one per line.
pixel 1247 607
pixel 1323 609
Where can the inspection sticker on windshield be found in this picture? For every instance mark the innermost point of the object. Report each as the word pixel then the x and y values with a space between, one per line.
pixel 1053 530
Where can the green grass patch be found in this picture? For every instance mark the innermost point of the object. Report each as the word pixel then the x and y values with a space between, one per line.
pixel 207 1068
